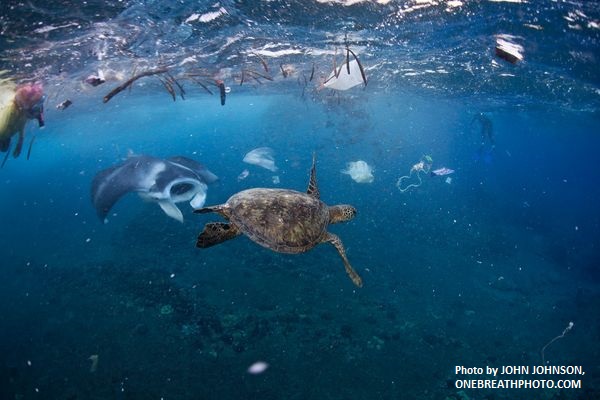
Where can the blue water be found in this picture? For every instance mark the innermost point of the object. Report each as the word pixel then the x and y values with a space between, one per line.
pixel 482 271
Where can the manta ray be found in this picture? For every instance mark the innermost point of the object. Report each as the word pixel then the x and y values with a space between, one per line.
pixel 167 182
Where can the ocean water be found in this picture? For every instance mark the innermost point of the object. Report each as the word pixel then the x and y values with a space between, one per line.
pixel 483 270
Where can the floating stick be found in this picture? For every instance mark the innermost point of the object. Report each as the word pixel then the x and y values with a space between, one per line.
pixel 305 84
pixel 348 59
pixel 130 81
pixel 169 88
pixel 336 73
pixel 362 70
pixel 262 61
pixel 173 80
pixel 254 75
pixel 201 84
pixel 347 52
pixel 252 72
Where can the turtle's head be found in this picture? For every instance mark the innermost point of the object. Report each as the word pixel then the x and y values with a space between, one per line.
pixel 341 213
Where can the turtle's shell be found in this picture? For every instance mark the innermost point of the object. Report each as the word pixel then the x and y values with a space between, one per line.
pixel 281 220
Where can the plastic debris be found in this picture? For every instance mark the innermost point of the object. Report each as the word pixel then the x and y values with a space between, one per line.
pixel 509 51
pixel 258 368
pixel 64 105
pixel 359 171
pixel 263 157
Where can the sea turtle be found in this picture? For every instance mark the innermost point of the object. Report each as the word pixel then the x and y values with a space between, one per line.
pixel 285 221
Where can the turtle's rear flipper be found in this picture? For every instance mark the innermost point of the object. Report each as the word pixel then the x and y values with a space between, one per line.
pixel 215 233
pixel 334 240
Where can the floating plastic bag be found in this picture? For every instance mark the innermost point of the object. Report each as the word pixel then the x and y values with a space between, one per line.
pixel 263 157
pixel 359 171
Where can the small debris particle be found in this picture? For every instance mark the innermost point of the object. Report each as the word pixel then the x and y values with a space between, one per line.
pixel 258 368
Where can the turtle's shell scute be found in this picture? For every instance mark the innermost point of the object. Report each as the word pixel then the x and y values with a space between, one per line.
pixel 281 220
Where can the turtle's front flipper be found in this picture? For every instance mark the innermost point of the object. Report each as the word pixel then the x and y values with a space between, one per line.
pixel 334 240
pixel 215 233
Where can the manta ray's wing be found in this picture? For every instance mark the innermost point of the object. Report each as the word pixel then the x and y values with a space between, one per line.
pixel 166 182
pixel 199 169
pixel 136 174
